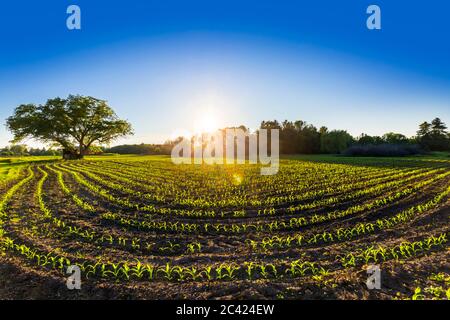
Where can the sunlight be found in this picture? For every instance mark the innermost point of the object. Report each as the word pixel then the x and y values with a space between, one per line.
pixel 206 121
pixel 180 133
pixel 237 179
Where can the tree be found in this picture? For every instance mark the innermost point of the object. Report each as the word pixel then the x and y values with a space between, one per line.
pixel 424 129
pixel 394 138
pixel 288 138
pixel 438 127
pixel 295 137
pixel 74 123
pixel 323 130
pixel 14 150
pixel 365 139
pixel 433 136
pixel 143 148
pixel 19 149
pixel 308 139
pixel 439 138
pixel 335 141
pixel 423 135
pixel 270 125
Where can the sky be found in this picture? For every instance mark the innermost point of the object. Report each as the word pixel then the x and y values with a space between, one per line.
pixel 171 66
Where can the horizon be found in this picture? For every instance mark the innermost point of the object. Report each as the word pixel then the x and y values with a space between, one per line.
pixel 188 134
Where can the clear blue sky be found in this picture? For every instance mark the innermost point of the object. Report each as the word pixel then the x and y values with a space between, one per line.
pixel 161 63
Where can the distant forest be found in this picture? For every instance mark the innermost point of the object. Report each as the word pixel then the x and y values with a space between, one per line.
pixel 23 150
pixel 299 137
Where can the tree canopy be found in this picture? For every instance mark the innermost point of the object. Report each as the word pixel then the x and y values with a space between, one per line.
pixel 433 136
pixel 301 137
pixel 335 141
pixel 75 123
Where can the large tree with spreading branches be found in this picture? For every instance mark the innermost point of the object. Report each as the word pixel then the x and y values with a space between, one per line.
pixel 75 124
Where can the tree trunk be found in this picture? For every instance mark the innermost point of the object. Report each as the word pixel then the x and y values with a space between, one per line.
pixel 71 155
pixel 82 150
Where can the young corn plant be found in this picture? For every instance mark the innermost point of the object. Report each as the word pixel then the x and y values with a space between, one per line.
pixel 207 272
pixel 250 267
pixel 227 271
pixel 138 270
pixel 193 273
pixel 150 269
pixel 194 247
pixel 266 269
pixel 167 271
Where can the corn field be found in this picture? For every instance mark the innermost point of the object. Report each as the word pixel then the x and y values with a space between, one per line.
pixel 143 227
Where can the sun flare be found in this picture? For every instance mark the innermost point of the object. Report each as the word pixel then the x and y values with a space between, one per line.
pixel 237 179
pixel 206 121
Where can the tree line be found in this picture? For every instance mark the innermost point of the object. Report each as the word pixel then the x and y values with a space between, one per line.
pixel 80 125
pixel 143 148
pixel 301 137
pixel 23 150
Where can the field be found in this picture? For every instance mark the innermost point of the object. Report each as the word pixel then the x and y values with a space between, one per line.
pixel 141 227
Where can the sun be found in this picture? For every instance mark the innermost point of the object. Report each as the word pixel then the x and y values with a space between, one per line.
pixel 206 121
